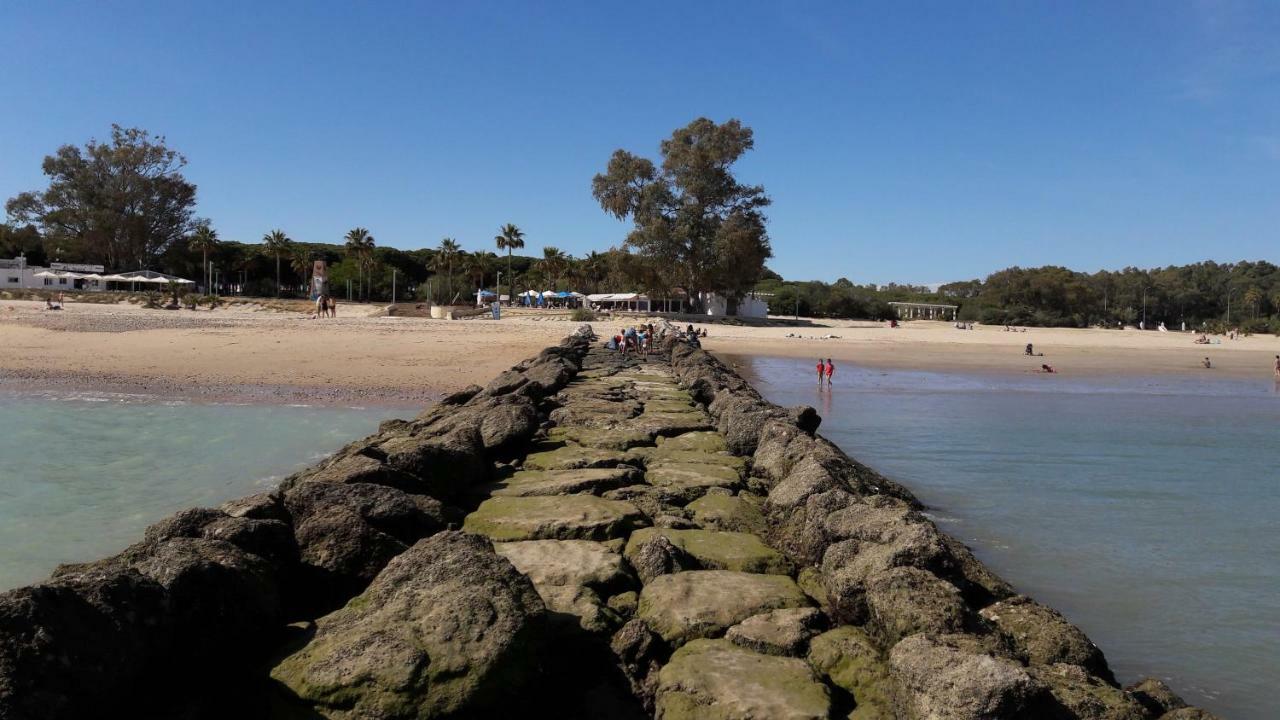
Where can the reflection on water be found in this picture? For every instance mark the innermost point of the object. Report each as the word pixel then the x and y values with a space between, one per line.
pixel 1143 508
pixel 81 476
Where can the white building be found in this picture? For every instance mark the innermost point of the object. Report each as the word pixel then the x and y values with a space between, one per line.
pixel 749 306
pixel 16 274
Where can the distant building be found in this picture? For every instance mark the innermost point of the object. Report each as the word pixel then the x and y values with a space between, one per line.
pixel 924 311
pixel 16 274
pixel 749 306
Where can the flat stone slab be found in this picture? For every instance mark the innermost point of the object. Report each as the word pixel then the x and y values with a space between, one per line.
pixel 735 513
pixel 715 550
pixel 703 441
pixel 555 517
pixel 572 457
pixel 777 632
pixel 704 603
pixel 671 423
pixel 717 679
pixel 691 480
pixel 572 577
pixel 565 562
pixel 564 482
pixel 601 438
pixel 662 455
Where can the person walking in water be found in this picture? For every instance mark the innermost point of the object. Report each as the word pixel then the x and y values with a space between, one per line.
pixel 821 370
pixel 830 371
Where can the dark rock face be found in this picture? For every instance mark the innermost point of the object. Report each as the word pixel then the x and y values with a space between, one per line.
pixel 80 644
pixel 263 506
pixel 659 556
pixel 449 628
pixel 346 534
pixel 1155 696
pixel 641 654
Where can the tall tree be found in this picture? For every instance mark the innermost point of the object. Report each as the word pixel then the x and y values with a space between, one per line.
pixel 300 262
pixel 359 246
pixel 553 264
pixel 276 243
pixel 509 238
pixel 479 264
pixel 120 203
pixel 204 238
pixel 691 214
pixel 444 259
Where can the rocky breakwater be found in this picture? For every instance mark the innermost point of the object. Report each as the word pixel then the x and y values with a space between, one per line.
pixel 590 535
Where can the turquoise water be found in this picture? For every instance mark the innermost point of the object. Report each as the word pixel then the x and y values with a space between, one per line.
pixel 1145 510
pixel 80 476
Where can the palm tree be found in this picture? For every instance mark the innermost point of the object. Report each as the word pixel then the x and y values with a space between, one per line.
pixel 359 245
pixel 594 269
pixel 479 264
pixel 204 239
pixel 1253 296
pixel 446 254
pixel 553 264
pixel 509 238
pixel 300 262
pixel 276 243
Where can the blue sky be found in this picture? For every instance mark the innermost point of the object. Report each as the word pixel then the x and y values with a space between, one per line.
pixel 910 142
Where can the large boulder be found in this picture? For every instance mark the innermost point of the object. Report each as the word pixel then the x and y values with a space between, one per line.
pixel 945 679
pixel 742 419
pixel 346 534
pixel 733 513
pixel 1085 697
pixel 717 679
pixel 81 645
pixel 448 628
pixel 907 600
pixel 640 654
pixel 655 555
pixel 1157 697
pixel 269 539
pixel 444 466
pixel 706 603
pixel 1043 636
pixel 848 658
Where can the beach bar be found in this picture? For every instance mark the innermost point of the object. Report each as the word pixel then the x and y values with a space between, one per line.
pixel 924 311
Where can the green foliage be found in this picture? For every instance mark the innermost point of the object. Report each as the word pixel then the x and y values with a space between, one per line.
pixel 693 219
pixel 151 300
pixel 582 315
pixel 121 203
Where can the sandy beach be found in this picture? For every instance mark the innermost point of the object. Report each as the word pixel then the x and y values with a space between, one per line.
pixel 249 353
pixel 925 345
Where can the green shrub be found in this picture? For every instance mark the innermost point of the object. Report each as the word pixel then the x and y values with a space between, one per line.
pixel 582 315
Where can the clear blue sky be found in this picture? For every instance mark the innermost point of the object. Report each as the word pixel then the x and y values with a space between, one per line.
pixel 913 142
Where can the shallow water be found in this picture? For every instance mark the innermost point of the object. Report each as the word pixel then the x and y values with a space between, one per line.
pixel 82 475
pixel 1143 509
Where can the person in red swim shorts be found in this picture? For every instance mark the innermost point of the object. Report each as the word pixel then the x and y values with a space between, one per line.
pixel 821 369
pixel 831 369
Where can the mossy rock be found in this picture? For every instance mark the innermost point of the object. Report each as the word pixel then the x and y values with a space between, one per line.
pixel 848 658
pixel 715 679
pixel 734 513
pixel 620 438
pixel 571 457
pixel 705 603
pixel 659 455
pixel 701 441
pixel 556 517
pixel 662 405
pixel 691 480
pixel 715 550
pixel 563 482
pixel 671 423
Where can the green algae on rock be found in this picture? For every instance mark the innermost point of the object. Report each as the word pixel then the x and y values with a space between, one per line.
pixel 717 680
pixel 561 517
pixel 705 603
pixel 717 550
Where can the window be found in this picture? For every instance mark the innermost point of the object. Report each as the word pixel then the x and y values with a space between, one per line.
pixel 13 280
pixel 48 281
pixel 62 281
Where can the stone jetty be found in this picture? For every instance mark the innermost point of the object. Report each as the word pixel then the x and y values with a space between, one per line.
pixel 589 535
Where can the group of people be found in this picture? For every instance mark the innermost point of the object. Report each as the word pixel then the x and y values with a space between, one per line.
pixel 326 306
pixel 49 304
pixel 633 339
pixel 964 326
pixel 825 371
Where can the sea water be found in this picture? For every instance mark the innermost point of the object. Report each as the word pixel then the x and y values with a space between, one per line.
pixel 1143 509
pixel 82 475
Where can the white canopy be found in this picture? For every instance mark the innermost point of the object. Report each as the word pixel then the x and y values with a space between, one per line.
pixel 46 274
pixel 616 297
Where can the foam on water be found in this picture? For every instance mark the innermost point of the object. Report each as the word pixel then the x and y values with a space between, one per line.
pixel 82 474
pixel 1145 509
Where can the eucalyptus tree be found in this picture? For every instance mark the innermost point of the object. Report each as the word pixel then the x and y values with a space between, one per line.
pixel 703 227
pixel 509 238
pixel 359 246
pixel 276 243
pixel 204 239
